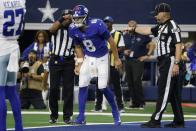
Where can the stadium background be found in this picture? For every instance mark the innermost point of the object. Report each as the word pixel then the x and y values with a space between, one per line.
pixel 122 11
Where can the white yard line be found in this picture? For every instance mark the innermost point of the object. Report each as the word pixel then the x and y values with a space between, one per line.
pixel 97 114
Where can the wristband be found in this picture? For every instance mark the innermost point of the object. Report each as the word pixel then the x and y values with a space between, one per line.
pixel 176 62
pixel 80 60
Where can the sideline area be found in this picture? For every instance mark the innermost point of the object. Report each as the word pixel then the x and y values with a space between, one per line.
pixel 190 126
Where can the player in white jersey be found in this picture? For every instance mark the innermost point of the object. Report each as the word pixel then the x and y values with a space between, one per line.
pixel 11 25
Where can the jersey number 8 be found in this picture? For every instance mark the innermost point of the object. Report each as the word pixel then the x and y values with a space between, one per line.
pixel 89 45
pixel 13 17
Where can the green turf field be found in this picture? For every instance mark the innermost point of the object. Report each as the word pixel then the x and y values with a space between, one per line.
pixel 35 120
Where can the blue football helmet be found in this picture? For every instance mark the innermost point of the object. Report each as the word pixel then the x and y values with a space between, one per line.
pixel 80 14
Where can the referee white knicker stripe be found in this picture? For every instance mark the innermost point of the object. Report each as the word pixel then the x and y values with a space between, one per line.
pixel 167 89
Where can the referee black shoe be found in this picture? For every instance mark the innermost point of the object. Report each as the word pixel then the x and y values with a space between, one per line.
pixel 151 124
pixel 174 125
pixel 68 121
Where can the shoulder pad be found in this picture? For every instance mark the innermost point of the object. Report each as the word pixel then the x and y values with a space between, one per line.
pixel 93 21
pixel 72 25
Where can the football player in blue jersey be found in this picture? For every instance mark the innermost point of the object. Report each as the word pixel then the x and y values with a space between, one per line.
pixel 90 37
pixel 11 25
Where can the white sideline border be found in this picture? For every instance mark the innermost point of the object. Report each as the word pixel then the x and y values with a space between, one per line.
pixel 101 113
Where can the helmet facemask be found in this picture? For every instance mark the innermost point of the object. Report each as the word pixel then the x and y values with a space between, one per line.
pixel 79 21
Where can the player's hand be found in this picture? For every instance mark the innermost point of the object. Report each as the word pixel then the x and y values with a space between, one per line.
pixel 118 64
pixel 77 69
pixel 175 70
pixel 67 16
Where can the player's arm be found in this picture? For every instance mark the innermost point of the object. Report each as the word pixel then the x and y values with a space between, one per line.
pixel 140 30
pixel 176 38
pixel 175 70
pixel 115 52
pixel 56 25
pixel 150 46
pixel 143 30
pixel 178 52
pixel 79 58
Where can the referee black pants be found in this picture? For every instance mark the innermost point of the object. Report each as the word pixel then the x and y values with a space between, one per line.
pixel 134 74
pixel 169 90
pixel 115 83
pixel 61 71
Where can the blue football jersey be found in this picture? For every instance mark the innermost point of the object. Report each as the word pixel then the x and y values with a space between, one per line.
pixel 94 37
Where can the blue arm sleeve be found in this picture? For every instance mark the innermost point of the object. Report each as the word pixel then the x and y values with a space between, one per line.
pixel 72 31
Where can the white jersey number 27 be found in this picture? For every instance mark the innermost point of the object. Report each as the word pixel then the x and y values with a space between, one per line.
pixel 13 22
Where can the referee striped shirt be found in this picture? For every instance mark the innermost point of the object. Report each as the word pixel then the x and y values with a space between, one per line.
pixel 62 43
pixel 168 35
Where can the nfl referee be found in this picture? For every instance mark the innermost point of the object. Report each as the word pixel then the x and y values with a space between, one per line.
pixel 61 66
pixel 169 81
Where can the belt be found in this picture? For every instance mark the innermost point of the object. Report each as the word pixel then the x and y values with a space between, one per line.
pixel 56 57
pixel 164 56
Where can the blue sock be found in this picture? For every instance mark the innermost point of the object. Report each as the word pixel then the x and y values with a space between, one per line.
pixel 110 98
pixel 3 109
pixel 82 97
pixel 12 95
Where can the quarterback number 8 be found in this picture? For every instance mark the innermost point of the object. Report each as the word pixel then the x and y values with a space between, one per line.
pixel 89 45
pixel 13 16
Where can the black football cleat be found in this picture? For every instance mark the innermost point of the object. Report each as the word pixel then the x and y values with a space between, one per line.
pixel 151 124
